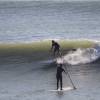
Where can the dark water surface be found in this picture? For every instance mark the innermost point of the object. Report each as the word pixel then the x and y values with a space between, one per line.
pixel 22 79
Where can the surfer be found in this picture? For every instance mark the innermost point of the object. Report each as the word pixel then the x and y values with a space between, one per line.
pixel 59 76
pixel 55 47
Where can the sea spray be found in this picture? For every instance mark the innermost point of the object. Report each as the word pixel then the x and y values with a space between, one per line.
pixel 81 56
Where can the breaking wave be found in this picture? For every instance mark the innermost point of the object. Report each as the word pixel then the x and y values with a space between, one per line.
pixel 81 56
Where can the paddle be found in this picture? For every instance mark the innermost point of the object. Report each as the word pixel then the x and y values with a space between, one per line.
pixel 70 78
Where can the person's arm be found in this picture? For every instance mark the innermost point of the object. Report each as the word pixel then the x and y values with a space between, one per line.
pixel 64 71
pixel 52 47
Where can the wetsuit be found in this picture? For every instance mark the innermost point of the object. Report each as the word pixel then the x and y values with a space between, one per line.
pixel 56 47
pixel 59 76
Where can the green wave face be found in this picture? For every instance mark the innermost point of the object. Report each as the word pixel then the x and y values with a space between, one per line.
pixel 41 48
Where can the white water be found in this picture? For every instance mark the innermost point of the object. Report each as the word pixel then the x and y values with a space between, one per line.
pixel 81 56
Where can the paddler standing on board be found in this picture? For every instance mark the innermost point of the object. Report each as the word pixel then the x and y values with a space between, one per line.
pixel 59 76
pixel 55 48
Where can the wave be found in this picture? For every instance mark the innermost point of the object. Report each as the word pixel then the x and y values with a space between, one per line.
pixel 81 56
pixel 85 51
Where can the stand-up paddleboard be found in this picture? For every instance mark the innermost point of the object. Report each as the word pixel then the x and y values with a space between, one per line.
pixel 64 89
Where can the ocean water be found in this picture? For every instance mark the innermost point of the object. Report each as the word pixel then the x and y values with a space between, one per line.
pixel 33 21
pixel 24 77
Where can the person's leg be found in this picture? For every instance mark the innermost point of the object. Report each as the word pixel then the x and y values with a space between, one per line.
pixel 61 83
pixel 57 83
pixel 58 52
pixel 54 52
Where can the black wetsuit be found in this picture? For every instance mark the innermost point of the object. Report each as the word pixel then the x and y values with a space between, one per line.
pixel 56 47
pixel 59 76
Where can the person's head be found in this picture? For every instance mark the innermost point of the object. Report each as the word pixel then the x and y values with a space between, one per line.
pixel 53 41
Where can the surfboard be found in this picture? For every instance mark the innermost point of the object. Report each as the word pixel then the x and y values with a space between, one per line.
pixel 64 89
pixel 49 61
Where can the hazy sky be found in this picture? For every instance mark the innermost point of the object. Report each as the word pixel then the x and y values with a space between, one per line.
pixel 49 0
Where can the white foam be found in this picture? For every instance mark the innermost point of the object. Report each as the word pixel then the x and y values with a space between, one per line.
pixel 81 56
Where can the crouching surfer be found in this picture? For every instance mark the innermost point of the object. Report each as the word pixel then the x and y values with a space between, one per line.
pixel 55 48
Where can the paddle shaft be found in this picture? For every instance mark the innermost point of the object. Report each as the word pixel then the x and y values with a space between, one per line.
pixel 70 78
